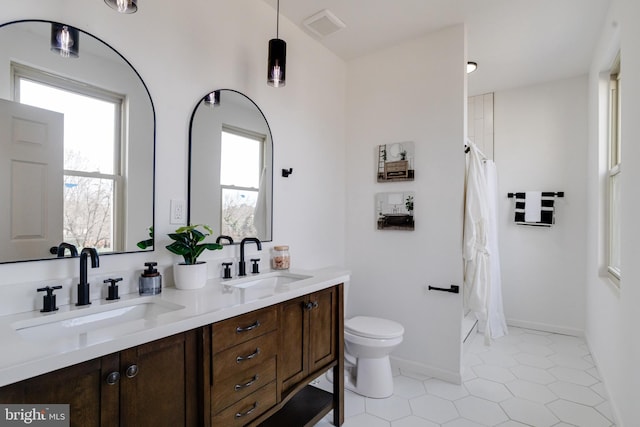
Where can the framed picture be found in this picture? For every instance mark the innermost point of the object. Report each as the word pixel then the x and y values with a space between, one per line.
pixel 394 211
pixel 395 162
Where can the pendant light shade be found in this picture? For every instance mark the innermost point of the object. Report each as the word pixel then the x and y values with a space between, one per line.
pixel 212 99
pixel 123 6
pixel 277 62
pixel 65 40
pixel 276 76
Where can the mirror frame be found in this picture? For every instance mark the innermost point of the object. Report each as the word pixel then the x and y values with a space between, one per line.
pixel 154 154
pixel 190 161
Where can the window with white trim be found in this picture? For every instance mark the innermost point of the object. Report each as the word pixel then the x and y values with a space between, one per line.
pixel 614 173
pixel 242 159
pixel 93 178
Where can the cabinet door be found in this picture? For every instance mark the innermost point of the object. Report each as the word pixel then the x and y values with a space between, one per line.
pixel 92 402
pixel 159 383
pixel 294 339
pixel 322 328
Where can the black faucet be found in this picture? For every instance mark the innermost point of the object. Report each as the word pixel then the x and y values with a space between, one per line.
pixel 223 237
pixel 83 286
pixel 60 249
pixel 241 267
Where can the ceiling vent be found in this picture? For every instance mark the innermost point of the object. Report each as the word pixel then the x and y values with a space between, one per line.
pixel 323 23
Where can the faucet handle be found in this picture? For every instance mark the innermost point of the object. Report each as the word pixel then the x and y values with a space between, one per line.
pixel 255 269
pixel 227 270
pixel 49 300
pixel 113 288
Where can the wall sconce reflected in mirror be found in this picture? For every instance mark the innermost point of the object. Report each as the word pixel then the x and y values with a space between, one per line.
pixel 65 40
pixel 212 99
pixel 471 67
pixel 277 62
pixel 123 6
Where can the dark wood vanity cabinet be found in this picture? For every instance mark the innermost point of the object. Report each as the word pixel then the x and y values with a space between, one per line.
pixel 249 370
pixel 149 385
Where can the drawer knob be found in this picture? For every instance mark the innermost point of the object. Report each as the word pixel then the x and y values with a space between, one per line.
pixel 131 371
pixel 238 387
pixel 113 378
pixel 244 414
pixel 251 327
pixel 240 359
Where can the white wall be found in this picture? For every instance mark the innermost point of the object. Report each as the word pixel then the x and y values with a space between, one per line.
pixel 182 53
pixel 416 92
pixel 540 144
pixel 612 314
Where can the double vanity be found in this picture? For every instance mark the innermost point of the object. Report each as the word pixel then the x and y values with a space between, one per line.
pixel 234 353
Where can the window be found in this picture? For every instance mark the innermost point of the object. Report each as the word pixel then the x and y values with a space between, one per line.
pixel 93 181
pixel 241 167
pixel 614 172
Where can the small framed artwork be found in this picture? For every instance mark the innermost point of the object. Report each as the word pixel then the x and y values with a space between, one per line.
pixel 394 211
pixel 395 162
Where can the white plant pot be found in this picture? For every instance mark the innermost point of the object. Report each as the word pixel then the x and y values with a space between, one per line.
pixel 190 276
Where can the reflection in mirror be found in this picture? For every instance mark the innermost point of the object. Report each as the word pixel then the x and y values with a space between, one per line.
pixel 77 137
pixel 231 166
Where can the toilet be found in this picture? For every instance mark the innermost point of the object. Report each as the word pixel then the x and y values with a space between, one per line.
pixel 368 342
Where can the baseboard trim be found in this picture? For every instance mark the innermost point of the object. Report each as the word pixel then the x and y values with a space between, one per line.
pixel 431 371
pixel 545 327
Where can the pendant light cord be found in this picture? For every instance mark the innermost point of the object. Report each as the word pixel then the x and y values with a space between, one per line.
pixel 278 19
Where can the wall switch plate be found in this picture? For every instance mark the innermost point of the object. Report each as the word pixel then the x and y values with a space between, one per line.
pixel 178 215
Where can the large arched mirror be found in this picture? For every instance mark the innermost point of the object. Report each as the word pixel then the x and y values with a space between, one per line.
pixel 77 144
pixel 231 166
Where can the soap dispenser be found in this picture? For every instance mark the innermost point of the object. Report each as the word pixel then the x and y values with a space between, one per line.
pixel 150 280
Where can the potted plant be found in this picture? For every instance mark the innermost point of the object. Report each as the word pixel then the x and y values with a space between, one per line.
pixel 188 243
pixel 408 203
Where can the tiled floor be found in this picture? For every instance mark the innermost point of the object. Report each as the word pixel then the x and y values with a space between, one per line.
pixel 527 378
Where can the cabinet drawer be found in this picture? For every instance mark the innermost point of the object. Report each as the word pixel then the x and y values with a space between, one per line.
pixel 239 329
pixel 247 409
pixel 244 356
pixel 243 383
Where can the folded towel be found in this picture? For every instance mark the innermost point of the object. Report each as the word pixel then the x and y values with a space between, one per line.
pixel 547 212
pixel 533 206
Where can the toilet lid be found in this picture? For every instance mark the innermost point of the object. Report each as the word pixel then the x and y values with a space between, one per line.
pixel 373 327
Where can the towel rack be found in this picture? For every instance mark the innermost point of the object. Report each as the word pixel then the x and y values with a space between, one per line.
pixel 544 194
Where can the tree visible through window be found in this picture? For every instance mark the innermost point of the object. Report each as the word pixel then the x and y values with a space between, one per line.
pixel 92 171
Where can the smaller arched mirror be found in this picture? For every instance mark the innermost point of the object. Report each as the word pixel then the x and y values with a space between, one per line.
pixel 231 166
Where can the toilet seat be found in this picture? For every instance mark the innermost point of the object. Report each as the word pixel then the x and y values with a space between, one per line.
pixel 373 327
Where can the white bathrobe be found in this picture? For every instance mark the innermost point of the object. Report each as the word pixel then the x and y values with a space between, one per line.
pixel 482 283
pixel 477 276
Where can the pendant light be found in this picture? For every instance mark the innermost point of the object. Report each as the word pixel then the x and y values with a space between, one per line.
pixel 276 72
pixel 123 6
pixel 65 40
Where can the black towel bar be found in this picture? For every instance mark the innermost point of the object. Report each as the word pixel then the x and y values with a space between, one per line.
pixel 454 289
pixel 544 194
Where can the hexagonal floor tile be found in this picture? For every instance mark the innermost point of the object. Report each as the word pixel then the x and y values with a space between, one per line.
pixel 413 421
pixel 390 409
pixel 480 411
pixel 534 375
pixel 444 389
pixel 487 389
pixel 529 413
pixel 408 387
pixel 576 393
pixel 579 415
pixel 575 376
pixel 531 391
pixel 434 408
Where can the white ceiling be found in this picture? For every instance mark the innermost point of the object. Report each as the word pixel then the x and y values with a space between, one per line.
pixel 514 42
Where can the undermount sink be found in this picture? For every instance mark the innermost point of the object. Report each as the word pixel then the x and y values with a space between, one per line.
pixel 264 284
pixel 100 322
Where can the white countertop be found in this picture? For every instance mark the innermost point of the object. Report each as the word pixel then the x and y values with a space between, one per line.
pixel 26 355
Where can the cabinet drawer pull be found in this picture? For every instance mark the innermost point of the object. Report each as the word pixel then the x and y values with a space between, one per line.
pixel 244 414
pixel 249 357
pixel 240 330
pixel 131 371
pixel 113 378
pixel 247 384
pixel 311 305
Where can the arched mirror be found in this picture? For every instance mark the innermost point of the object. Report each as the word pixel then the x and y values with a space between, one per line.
pixel 231 166
pixel 77 144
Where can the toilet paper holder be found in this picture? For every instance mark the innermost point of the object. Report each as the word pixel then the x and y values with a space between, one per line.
pixel 454 289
